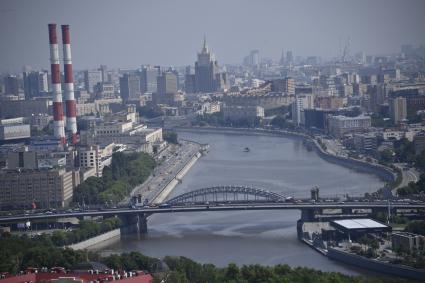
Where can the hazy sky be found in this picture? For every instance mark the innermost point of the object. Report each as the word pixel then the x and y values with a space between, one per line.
pixel 128 33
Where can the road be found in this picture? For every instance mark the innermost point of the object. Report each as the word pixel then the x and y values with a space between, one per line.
pixel 218 207
pixel 408 174
pixel 170 161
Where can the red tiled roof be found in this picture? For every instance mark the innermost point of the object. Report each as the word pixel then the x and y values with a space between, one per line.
pixel 86 277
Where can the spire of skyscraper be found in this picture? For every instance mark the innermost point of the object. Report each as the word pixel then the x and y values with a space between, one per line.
pixel 204 45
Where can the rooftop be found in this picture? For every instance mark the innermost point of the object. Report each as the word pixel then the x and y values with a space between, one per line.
pixel 363 223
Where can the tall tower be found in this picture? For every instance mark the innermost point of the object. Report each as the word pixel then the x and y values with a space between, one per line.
pixel 206 68
pixel 58 123
pixel 71 109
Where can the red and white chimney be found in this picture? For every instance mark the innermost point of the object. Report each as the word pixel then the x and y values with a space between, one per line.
pixel 71 109
pixel 58 122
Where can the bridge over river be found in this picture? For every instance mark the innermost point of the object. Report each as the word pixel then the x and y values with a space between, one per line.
pixel 229 198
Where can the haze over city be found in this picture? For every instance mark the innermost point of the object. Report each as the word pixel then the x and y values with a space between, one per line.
pixel 130 33
pixel 220 141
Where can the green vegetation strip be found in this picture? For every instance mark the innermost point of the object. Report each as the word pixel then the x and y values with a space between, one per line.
pixel 20 252
pixel 117 181
pixel 87 230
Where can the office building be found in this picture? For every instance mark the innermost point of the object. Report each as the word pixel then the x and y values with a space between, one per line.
pixel 289 57
pixel 148 79
pixel 398 109
pixel 14 129
pixel 104 73
pixel 92 78
pixel 167 83
pixel 11 85
pixel 340 125
pixel 253 59
pixel 130 87
pixel 35 84
pixel 242 112
pixel 419 142
pixel 104 91
pixel 25 108
pixel 47 188
pixel 91 157
pixel 301 102
pixel 23 159
pixel 367 142
pixel 286 85
pixel 317 118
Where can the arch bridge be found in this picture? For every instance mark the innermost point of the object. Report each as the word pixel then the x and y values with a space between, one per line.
pixel 226 194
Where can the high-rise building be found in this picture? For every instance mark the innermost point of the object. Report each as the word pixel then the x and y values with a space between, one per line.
pixel 11 85
pixel 92 78
pixel 167 83
pixel 104 72
pixel 398 109
pixel 35 83
pixel 189 81
pixel 301 102
pixel 206 68
pixel 148 79
pixel 253 59
pixel 289 57
pixel 130 87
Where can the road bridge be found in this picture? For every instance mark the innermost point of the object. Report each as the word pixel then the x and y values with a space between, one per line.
pixel 225 198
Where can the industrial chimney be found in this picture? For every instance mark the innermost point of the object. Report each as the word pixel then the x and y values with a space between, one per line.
pixel 58 123
pixel 71 110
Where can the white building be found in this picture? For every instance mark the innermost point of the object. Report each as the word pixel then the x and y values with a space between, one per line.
pixel 301 102
pixel 91 157
pixel 13 129
pixel 210 107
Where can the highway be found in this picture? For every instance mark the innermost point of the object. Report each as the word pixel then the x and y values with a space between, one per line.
pixel 212 208
pixel 408 174
pixel 171 160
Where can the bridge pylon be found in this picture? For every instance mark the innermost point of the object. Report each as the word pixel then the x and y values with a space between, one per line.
pixel 134 223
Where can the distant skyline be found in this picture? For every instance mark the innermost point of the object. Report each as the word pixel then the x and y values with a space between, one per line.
pixel 129 33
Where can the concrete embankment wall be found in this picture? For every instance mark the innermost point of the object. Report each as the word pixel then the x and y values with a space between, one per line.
pixel 116 233
pixel 174 182
pixel 383 172
pixel 371 264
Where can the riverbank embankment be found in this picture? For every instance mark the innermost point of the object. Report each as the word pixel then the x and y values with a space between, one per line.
pixel 383 172
pixel 113 234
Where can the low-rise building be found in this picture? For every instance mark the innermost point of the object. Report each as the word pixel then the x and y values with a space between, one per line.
pixel 25 108
pixel 419 142
pixel 91 157
pixel 242 112
pixel 210 108
pixel 365 142
pixel 406 241
pixel 14 129
pixel 340 125
pixel 47 188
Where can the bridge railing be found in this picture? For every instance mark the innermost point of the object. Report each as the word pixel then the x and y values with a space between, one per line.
pixel 232 193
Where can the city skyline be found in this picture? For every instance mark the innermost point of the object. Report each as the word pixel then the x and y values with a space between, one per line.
pixel 174 37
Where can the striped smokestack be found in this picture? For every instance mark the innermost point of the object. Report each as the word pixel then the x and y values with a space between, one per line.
pixel 58 122
pixel 71 110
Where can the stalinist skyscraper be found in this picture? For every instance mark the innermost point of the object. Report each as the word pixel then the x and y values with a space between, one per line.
pixel 207 75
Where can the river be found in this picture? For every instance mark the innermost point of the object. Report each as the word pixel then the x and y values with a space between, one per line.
pixel 279 164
